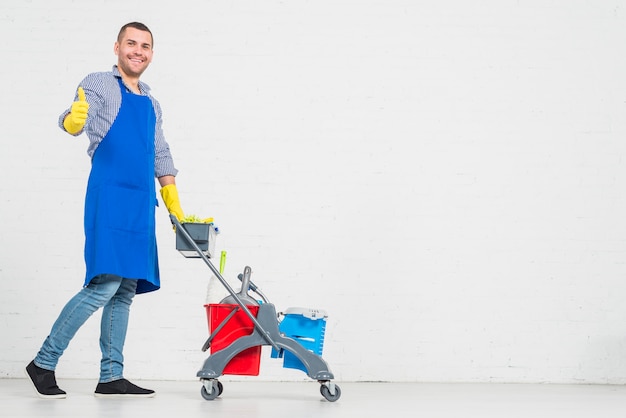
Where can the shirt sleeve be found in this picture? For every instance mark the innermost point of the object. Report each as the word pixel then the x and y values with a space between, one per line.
pixel 93 98
pixel 99 116
pixel 163 161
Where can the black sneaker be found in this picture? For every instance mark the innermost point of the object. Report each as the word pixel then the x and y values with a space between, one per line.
pixel 122 388
pixel 44 382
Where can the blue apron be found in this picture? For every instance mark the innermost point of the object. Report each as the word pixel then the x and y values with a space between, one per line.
pixel 121 198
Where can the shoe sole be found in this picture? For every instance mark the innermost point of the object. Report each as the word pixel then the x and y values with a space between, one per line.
pixel 41 395
pixel 123 395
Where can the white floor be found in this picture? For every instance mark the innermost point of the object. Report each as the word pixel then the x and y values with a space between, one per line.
pixel 302 399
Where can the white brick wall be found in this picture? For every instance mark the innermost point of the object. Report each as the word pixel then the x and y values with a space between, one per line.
pixel 445 178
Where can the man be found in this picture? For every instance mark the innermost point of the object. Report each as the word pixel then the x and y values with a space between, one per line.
pixel 128 150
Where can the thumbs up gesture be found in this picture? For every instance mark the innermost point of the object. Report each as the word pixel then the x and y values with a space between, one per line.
pixel 75 120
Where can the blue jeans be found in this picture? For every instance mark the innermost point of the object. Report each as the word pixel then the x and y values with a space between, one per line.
pixel 115 294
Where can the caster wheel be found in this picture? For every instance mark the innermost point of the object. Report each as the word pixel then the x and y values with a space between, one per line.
pixel 326 393
pixel 216 390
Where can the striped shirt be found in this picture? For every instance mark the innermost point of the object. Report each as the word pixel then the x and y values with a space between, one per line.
pixel 105 99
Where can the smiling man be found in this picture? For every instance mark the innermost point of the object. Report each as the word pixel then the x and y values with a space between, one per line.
pixel 123 123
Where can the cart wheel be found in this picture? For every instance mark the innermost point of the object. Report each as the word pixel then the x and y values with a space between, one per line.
pixel 330 397
pixel 216 390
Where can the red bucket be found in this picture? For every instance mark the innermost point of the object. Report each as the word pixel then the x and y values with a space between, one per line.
pixel 239 325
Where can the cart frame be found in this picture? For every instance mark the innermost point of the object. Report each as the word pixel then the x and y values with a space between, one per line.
pixel 265 332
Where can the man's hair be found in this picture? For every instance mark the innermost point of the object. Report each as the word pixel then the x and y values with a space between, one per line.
pixel 134 25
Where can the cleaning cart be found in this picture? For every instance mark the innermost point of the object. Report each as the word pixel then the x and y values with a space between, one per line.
pixel 240 324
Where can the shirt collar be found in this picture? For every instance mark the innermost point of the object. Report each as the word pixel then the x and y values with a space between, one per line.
pixel 142 86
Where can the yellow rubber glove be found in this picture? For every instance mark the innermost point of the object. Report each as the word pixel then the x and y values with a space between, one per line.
pixel 75 120
pixel 169 194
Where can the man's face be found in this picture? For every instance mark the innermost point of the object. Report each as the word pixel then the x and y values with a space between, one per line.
pixel 134 52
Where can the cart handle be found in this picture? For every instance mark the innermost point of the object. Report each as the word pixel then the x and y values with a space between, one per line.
pixel 217 274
